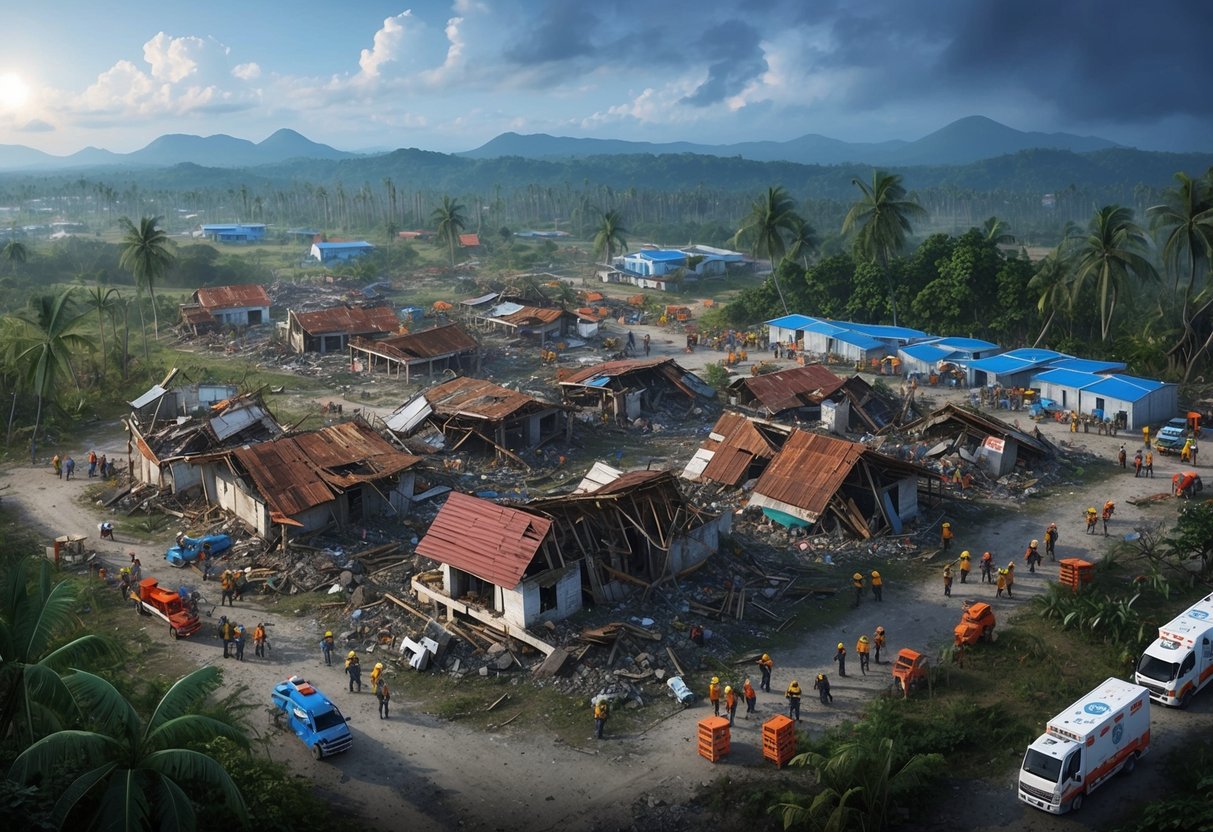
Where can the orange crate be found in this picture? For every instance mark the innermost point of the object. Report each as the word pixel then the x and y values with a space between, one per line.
pixel 779 740
pixel 713 738
pixel 1075 573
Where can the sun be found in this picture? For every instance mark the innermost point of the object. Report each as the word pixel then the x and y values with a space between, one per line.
pixel 14 92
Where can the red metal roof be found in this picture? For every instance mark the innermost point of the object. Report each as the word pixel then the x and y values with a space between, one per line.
pixel 808 471
pixel 732 456
pixel 295 473
pixel 352 320
pixel 532 315
pixel 469 240
pixel 610 369
pixel 232 297
pixel 194 315
pixel 431 343
pixel 631 480
pixel 492 542
pixel 786 389
pixel 466 396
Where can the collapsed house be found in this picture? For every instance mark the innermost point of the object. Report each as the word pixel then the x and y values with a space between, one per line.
pixel 163 445
pixel 814 394
pixel 487 415
pixel 442 348
pixel 341 474
pixel 534 322
pixel 737 450
pixel 218 306
pixel 330 330
pixel 990 443
pixel 162 402
pixel 628 389
pixel 826 483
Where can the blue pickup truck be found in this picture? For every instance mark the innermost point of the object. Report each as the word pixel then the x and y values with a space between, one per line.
pixel 313 717
pixel 189 548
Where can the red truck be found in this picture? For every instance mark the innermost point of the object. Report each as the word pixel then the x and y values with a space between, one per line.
pixel 155 600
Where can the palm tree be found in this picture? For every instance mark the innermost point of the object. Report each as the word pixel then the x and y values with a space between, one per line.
pixel 147 255
pixel 997 231
pixel 35 617
pixel 41 343
pixel 802 243
pixel 103 300
pixel 15 253
pixel 881 219
pixel 448 223
pixel 610 232
pixel 1186 220
pixel 766 229
pixel 130 773
pixel 1112 251
pixel 1052 283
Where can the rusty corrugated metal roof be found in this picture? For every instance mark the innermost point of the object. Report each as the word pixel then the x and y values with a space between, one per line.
pixel 352 320
pixel 532 315
pixel 295 473
pixel 195 315
pixel 740 444
pixel 232 297
pixel 611 369
pixel 808 471
pixel 492 542
pixel 632 480
pixel 431 343
pixel 466 396
pixel 787 389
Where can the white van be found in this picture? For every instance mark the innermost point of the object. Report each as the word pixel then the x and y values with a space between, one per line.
pixel 1180 661
pixel 1105 731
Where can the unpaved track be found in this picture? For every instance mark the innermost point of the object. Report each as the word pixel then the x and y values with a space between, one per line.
pixel 416 772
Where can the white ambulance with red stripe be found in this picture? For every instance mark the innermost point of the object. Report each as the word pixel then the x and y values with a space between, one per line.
pixel 1180 661
pixel 1102 733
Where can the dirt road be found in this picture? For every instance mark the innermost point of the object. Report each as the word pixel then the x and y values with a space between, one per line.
pixel 416 772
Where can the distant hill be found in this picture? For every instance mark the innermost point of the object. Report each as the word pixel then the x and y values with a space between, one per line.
pixel 963 141
pixel 218 151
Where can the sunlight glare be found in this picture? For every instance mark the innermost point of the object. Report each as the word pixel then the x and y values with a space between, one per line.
pixel 14 92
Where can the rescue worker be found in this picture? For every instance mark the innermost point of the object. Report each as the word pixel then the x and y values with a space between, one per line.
pixel 1185 453
pixel 965 566
pixel 353 669
pixel 987 568
pixel 747 692
pixel 840 656
pixel 1092 516
pixel 601 711
pixel 228 584
pixel 225 633
pixel 259 640
pixel 238 639
pixel 1010 578
pixel 877 586
pixel 857 582
pixel 376 673
pixel 793 697
pixel 822 686
pixel 947 581
pixel 204 557
pixel 714 694
pixel 765 666
pixel 1145 436
pixel 1150 464
pixel 1137 460
pixel 1032 556
pixel 1121 455
pixel 384 694
pixel 326 645
pixel 863 647
pixel 1002 582
pixel 730 703
pixel 1109 508
pixel 1073 421
pixel 946 536
pixel 878 641
pixel 1051 541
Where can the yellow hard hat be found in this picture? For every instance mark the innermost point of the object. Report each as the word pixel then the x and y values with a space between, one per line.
pixel 728 688
pixel 1091 509
pixel 964 555
pixel 840 647
pixel 947 525
pixel 715 680
pixel 857 577
pixel 328 633
pixel 379 665
pixel 875 574
pixel 765 657
pixel 351 654
pixel 1035 543
pixel 863 639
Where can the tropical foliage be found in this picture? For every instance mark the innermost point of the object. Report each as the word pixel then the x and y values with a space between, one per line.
pixel 768 230
pixel 449 223
pixel 881 220
pixel 608 235
pixel 147 255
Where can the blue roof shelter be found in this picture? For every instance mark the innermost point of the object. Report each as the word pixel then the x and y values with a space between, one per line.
pixel 1143 401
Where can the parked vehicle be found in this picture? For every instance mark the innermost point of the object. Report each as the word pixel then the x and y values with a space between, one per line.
pixel 976 623
pixel 189 549
pixel 909 671
pixel 1180 661
pixel 1171 436
pixel 1084 745
pixel 1044 408
pixel 313 717
pixel 167 605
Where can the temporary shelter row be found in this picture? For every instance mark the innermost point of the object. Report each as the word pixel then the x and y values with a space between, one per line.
pixel 1142 401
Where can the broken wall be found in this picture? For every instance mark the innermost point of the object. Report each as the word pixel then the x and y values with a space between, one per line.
pixel 698 545
pixel 523 606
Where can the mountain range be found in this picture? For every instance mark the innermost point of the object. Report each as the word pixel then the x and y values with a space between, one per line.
pixel 962 142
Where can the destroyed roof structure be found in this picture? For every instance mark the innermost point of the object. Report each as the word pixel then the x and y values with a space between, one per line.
pixel 773 394
pixel 342 473
pixel 217 306
pixel 542 323
pixel 162 455
pixel 497 418
pixel 823 482
pixel 737 449
pixel 500 565
pixel 447 347
pixel 628 388
pixel 330 330
pixel 990 443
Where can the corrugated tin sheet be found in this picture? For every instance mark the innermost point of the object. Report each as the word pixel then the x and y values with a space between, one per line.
pixel 409 415
pixel 351 320
pixel 480 301
pixel 232 420
pixel 791 321
pixel 476 397
pixel 735 442
pixel 1087 365
pixel 787 389
pixel 492 542
pixel 927 352
pixel 532 316
pixel 981 423
pixel 808 471
pixel 600 474
pixel 612 369
pixel 1066 378
pixel 232 297
pixel 431 343
pixel 147 398
pixel 632 480
pixel 1125 388
pixel 195 315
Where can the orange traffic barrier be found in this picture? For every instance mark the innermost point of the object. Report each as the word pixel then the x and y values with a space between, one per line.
pixel 713 738
pixel 779 740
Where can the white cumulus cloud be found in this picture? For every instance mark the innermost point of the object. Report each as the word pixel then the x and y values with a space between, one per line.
pixel 247 72
pixel 454 54
pixel 385 47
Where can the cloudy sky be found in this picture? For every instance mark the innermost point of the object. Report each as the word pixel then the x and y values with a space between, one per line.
pixel 448 76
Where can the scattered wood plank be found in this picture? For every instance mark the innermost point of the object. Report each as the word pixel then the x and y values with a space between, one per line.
pixel 767 612
pixel 786 622
pixel 674 660
pixel 389 596
pixel 500 699
pixel 641 631
pixel 507 722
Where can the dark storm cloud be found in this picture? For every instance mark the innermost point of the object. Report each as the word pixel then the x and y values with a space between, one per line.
pixel 737 59
pixel 561 32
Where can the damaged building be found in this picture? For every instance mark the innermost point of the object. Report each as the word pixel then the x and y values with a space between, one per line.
pixel 534 322
pixel 991 444
pixel 487 416
pixel 431 351
pixel 213 307
pixel 814 394
pixel 330 330
pixel 825 484
pixel 737 450
pixel 628 389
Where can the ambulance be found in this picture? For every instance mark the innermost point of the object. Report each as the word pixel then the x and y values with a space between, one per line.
pixel 1180 661
pixel 1104 732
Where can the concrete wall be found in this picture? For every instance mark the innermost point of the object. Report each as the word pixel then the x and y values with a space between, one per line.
pixel 996 463
pixel 228 493
pixel 907 498
pixel 521 604
pixel 700 544
pixel 184 477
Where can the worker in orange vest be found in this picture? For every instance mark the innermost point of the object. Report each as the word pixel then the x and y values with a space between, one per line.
pixel 1108 509
pixel 987 568
pixel 765 665
pixel 1032 555
pixel 1010 577
pixel 714 694
pixel 1002 581
pixel 946 536
pixel 730 703
pixel 747 692
pixel 877 586
pixel 878 640
pixel 863 647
